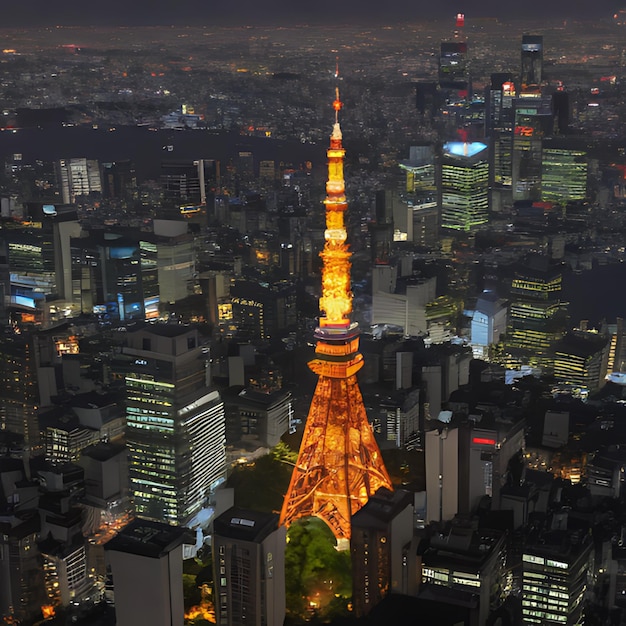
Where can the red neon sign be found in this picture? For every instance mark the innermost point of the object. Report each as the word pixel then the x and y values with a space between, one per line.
pixel 484 441
pixel 524 131
pixel 508 88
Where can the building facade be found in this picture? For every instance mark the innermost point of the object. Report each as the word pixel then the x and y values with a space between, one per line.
pixel 175 423
pixel 249 568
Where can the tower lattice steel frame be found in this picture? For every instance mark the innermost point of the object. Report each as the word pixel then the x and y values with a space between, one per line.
pixel 339 465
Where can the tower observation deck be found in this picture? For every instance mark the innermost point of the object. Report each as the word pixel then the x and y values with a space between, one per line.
pixel 339 465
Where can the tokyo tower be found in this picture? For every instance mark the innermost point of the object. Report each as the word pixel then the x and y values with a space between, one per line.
pixel 339 465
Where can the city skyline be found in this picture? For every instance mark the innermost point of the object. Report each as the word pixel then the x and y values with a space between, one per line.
pixel 190 292
pixel 248 12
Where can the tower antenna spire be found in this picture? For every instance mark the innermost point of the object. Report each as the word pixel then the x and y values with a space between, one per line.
pixel 337 105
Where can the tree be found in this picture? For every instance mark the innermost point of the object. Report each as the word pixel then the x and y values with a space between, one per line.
pixel 318 576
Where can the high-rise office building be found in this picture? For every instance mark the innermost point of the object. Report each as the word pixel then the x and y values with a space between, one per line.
pixel 38 258
pixel 463 566
pixel 175 422
pixel 453 66
pixel 19 390
pixel 420 197
pixel 531 75
pixel 556 570
pixel 580 360
pixel 126 277
pixel 119 180
pixel 78 177
pixel 189 182
pixel 22 592
pixel 532 121
pixel 536 319
pixel 564 175
pixel 464 185
pixel 339 465
pixel 262 311
pixel 249 566
pixel 381 549
pixel 488 323
pixel 499 96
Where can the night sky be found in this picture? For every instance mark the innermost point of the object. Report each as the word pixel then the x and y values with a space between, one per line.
pixel 208 12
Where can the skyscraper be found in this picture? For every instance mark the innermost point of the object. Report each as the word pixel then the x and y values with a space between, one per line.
pixel 464 185
pixel 175 423
pixel 564 174
pixel 533 120
pixel 249 566
pixel 532 62
pixel 381 547
pixel 339 465
pixel 536 315
pixel 78 177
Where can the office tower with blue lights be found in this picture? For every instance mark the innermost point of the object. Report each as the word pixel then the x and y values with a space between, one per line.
pixel 464 185
pixel 175 422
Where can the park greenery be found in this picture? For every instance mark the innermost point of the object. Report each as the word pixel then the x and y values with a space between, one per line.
pixel 318 577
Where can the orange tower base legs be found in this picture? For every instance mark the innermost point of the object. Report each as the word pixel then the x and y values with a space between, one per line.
pixel 339 466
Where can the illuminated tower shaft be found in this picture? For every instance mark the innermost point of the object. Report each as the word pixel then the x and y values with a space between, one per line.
pixel 339 465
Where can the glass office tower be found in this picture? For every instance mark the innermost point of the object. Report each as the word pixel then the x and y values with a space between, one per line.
pixel 464 185
pixel 175 423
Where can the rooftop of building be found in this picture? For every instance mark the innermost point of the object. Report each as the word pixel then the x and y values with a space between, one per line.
pixel 462 547
pixel 103 451
pixel 581 345
pixel 93 400
pixel 21 528
pixel 147 538
pixel 261 399
pixel 566 545
pixel 162 329
pixel 449 607
pixel 381 508
pixel 245 524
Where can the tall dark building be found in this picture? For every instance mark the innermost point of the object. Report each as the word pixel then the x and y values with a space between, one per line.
pixel 561 108
pixel 186 182
pixel 427 97
pixel 119 180
pixel 249 566
pixel 536 315
pixel 499 96
pixel 19 390
pixel 531 75
pixel 453 70
pixel 533 121
pixel 380 545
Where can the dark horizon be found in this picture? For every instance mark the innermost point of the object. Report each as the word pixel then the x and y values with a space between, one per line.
pixel 41 13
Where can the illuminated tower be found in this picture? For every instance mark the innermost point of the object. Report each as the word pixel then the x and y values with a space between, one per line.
pixel 339 466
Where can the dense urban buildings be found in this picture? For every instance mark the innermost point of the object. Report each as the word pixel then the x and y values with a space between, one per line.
pixel 185 302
